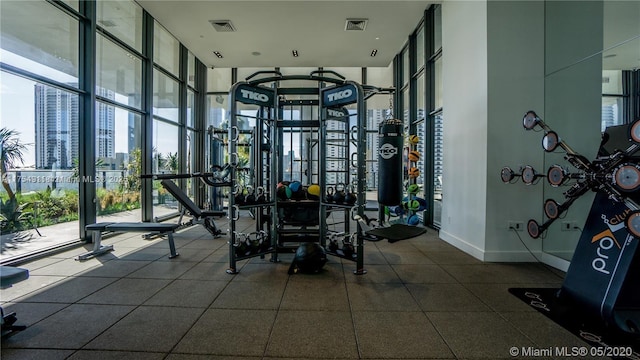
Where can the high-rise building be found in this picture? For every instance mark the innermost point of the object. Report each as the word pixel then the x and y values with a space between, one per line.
pixel 57 129
pixel 105 126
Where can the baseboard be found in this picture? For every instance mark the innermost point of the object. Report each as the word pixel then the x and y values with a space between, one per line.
pixel 556 262
pixel 505 256
pixel 462 245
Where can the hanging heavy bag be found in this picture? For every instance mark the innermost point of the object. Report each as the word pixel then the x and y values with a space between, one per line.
pixel 390 162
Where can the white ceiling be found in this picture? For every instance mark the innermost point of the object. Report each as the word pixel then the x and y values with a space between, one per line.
pixel 274 28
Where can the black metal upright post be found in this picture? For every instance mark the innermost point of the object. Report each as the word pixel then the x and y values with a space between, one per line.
pixel 87 114
pixel 147 117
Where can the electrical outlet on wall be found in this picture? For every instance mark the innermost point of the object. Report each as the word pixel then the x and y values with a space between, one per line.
pixel 569 225
pixel 515 225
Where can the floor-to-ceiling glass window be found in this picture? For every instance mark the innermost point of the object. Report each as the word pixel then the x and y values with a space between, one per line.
pixel 219 81
pixel 434 68
pixel 419 123
pixel 39 124
pixel 166 116
pixel 118 139
pixel 379 107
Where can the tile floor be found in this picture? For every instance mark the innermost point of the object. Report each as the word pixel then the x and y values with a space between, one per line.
pixel 421 298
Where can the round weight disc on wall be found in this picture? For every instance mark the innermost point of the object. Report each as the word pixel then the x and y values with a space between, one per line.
pixel 634 131
pixel 627 177
pixel 633 223
pixel 551 209
pixel 528 175
pixel 533 228
pixel 506 174
pixel 556 175
pixel 550 141
pixel 530 120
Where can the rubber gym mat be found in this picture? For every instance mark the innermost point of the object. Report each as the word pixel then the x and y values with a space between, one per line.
pixel 592 330
pixel 397 232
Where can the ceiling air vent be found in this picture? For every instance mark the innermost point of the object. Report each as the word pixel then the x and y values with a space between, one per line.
pixel 223 25
pixel 356 24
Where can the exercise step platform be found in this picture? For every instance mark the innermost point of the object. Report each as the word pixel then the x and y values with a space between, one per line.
pixel 155 228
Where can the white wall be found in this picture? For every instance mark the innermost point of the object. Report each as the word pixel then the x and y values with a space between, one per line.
pixel 464 73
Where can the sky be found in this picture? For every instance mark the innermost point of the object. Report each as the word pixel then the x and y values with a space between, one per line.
pixel 17 105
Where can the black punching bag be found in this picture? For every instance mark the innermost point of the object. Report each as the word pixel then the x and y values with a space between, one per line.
pixel 390 162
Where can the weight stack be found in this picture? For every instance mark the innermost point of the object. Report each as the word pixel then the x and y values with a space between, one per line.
pixel 390 142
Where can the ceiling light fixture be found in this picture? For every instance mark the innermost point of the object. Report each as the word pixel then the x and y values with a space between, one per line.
pixel 294 53
pixel 217 53
pixel 374 52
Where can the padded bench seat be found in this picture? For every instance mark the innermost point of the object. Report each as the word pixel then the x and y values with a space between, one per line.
pixel 10 275
pixel 98 228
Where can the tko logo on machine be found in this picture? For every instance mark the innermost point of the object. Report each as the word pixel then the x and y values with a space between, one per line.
pixel 335 113
pixel 254 96
pixel 387 151
pixel 345 94
pixel 339 95
pixel 606 241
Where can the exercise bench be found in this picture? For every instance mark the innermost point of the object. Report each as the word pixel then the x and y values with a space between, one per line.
pixel 156 228
pixel 199 216
pixel 8 276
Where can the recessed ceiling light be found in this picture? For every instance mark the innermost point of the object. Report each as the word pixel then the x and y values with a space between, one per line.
pixel 294 53
pixel 374 52
pixel 377 38
pixel 218 54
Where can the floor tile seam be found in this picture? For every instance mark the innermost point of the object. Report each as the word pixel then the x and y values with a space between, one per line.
pixel 58 283
pixel 353 319
pixel 275 318
pixel 117 351
pixel 50 315
pixel 45 257
pixel 37 291
pixel 126 277
pixel 427 316
pixel 173 278
pixel 502 313
pixel 520 331
pixel 465 286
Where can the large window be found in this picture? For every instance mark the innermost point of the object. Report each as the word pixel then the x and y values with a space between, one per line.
pixel 122 19
pixel 118 160
pixel 613 99
pixel 40 132
pixel 119 73
pixel 39 122
pixel 42 115
pixel 165 96
pixel 39 38
pixel 165 161
pixel 166 49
